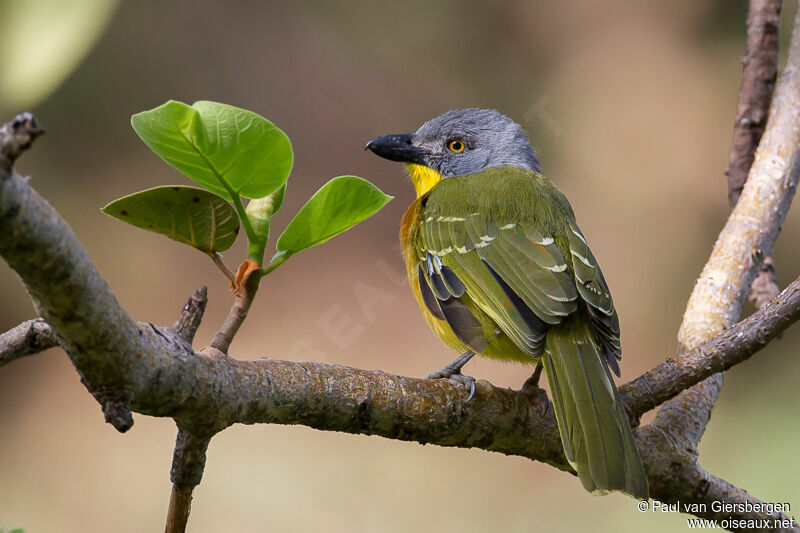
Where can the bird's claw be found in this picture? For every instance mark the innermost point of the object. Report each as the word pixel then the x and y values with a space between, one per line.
pixel 458 378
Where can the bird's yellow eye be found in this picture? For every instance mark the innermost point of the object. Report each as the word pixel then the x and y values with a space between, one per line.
pixel 455 145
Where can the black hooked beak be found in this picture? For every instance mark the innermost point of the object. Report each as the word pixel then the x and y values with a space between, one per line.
pixel 397 147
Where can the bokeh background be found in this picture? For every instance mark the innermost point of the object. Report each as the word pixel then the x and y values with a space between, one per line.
pixel 630 106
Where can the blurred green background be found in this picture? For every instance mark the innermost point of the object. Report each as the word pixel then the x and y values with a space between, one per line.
pixel 630 106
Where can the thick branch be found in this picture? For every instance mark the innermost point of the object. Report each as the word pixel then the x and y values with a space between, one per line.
pixel 28 338
pixel 65 287
pixel 746 239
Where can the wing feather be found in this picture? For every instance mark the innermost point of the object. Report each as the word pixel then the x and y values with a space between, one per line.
pixel 594 291
pixel 523 285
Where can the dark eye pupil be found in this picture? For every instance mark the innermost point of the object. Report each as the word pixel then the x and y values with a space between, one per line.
pixel 456 145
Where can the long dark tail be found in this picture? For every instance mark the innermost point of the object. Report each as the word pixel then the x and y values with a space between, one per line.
pixel 594 428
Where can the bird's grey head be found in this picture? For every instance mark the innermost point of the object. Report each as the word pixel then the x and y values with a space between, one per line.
pixel 461 141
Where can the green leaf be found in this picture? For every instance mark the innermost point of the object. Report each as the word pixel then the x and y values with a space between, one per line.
pixel 339 205
pixel 186 214
pixel 225 149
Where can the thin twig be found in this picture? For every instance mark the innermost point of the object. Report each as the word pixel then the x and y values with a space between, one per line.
pixel 180 505
pixel 188 463
pixel 217 258
pixel 246 289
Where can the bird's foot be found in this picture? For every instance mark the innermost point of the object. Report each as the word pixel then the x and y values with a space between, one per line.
pixel 453 373
pixel 531 385
pixel 468 382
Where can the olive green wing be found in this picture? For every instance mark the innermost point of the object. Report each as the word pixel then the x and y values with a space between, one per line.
pixel 594 291
pixel 514 274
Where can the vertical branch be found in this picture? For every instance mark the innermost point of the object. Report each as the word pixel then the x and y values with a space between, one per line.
pixel 180 503
pixel 246 286
pixel 191 315
pixel 188 463
pixel 759 71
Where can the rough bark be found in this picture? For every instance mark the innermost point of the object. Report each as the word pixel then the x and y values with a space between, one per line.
pixel 759 71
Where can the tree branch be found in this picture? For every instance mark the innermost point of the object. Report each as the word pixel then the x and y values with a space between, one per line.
pixel 757 217
pixel 245 288
pixel 28 338
pixel 64 284
pixel 17 135
pixel 759 71
pixel 188 463
pixel 191 315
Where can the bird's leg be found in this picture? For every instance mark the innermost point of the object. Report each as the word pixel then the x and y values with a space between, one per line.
pixel 533 381
pixel 453 373
pixel 531 385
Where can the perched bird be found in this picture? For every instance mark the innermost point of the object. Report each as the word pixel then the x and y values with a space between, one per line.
pixel 500 268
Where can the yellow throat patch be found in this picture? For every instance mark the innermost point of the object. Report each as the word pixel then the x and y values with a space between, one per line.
pixel 423 178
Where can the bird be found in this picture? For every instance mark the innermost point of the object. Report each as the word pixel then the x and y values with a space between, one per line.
pixel 500 268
